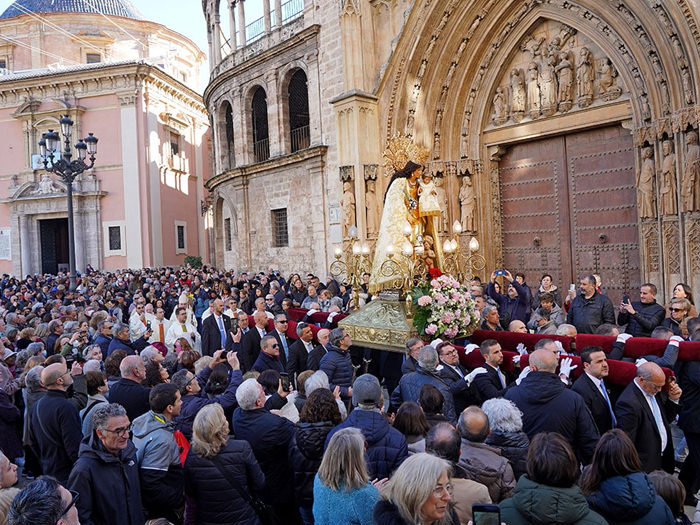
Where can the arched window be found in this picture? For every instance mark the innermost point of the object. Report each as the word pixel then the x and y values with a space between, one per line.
pixel 298 97
pixel 228 124
pixel 261 138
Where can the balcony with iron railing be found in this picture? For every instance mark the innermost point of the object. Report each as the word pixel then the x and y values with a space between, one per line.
pixel 261 150
pixel 300 138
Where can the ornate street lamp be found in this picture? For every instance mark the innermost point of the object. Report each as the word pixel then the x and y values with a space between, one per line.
pixel 59 162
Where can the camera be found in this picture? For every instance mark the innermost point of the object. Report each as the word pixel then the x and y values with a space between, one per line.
pixel 500 272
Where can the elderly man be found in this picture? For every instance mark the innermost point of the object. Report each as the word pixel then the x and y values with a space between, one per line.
pixel 260 306
pixel 313 362
pixel 589 309
pixel 106 474
pixel 55 424
pixel 128 391
pixel 548 406
pixel 490 320
pixel 386 446
pixel 483 463
pixel 425 374
pixel 121 340
pixel 182 328
pixel 518 327
pixel 44 502
pixel 413 346
pixel 55 332
pixel 104 336
pixel 250 343
pixel 641 317
pixel 269 436
pixel 337 365
pixel 299 350
pixel 642 412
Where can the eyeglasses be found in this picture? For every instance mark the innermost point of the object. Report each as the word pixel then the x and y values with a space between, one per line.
pixel 677 309
pixel 191 379
pixel 118 431
pixel 275 345
pixel 440 490
pixel 73 501
pixel 284 321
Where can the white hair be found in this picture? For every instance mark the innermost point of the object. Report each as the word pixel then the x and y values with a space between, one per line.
pixel 428 358
pixel 92 365
pixel 248 393
pixel 148 353
pixel 503 415
pixel 317 380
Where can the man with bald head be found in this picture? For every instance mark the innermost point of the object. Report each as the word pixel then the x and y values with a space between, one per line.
pixel 55 424
pixel 517 327
pixel 128 391
pixel 642 413
pixel 250 343
pixel 313 361
pixel 548 406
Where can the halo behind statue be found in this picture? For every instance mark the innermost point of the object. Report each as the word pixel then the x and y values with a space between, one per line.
pixel 399 151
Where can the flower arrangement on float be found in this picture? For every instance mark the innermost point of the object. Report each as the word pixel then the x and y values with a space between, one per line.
pixel 443 308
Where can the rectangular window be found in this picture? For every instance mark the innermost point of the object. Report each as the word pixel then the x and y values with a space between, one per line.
pixel 280 235
pixel 115 238
pixel 93 58
pixel 227 233
pixel 180 237
pixel 174 144
pixel 3 63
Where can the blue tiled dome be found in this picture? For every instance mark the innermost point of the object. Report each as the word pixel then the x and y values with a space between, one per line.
pixel 107 7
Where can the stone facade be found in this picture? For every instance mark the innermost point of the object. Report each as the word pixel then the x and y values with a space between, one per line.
pixel 472 79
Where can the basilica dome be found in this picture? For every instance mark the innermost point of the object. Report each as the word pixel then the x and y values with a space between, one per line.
pixel 106 7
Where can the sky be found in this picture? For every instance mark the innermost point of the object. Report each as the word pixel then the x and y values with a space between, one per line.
pixel 185 17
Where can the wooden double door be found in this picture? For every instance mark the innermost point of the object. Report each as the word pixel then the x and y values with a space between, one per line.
pixel 568 206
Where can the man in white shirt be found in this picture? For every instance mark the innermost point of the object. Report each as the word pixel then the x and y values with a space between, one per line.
pixel 182 328
pixel 160 326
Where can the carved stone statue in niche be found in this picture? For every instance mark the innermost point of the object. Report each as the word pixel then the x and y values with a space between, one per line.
pixel 565 77
pixel 499 107
pixel 372 205
pixel 442 200
pixel 533 90
pixel 467 204
pixel 645 184
pixel 584 78
pixel 347 203
pixel 548 86
pixel 690 196
pixel 668 180
pixel 687 85
pixel 517 93
pixel 607 81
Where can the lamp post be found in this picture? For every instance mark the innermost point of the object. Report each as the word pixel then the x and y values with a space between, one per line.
pixel 353 266
pixel 59 162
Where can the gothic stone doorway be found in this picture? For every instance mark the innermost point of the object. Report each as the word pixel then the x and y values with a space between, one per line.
pixel 54 245
pixel 568 206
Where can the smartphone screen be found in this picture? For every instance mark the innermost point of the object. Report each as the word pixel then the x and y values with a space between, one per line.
pixel 486 514
pixel 285 381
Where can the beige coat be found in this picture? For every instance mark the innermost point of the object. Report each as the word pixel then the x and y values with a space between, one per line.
pixel 465 493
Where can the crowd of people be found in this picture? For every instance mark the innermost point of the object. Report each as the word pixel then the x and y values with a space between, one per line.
pixel 183 396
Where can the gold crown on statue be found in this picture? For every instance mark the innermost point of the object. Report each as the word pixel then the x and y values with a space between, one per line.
pixel 400 150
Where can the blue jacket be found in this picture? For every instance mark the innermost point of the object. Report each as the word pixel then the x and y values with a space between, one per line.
pixel 132 396
pixel 267 362
pixel 305 455
pixel 387 446
pixel 103 342
pixel 269 436
pixel 512 309
pixel 130 347
pixel 409 390
pixel 340 506
pixel 338 367
pixel 631 500
pixel 548 406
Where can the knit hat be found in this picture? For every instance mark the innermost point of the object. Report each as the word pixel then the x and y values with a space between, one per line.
pixel 366 391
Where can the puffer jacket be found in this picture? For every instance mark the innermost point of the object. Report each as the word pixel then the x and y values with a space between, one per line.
pixel 630 500
pixel 484 464
pixel 409 390
pixel 513 446
pixel 387 446
pixel 541 504
pixel 214 499
pixel 588 314
pixel 386 513
pixel 337 365
pixel 647 316
pixel 305 455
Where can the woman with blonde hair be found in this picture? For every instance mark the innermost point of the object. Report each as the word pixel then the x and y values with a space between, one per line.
pixel 419 492
pixel 220 473
pixel 342 490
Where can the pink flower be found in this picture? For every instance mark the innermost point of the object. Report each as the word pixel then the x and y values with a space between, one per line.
pixel 434 283
pixel 450 332
pixel 431 329
pixel 447 318
pixel 440 299
pixel 424 300
pixel 456 296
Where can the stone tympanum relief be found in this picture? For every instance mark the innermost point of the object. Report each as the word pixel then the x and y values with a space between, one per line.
pixel 556 70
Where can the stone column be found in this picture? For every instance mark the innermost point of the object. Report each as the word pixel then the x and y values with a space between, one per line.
pixel 278 13
pixel 216 39
pixel 241 23
pixel 266 15
pixel 25 244
pixel 232 24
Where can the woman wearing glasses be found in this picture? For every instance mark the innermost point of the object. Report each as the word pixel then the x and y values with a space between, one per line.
pixel 679 309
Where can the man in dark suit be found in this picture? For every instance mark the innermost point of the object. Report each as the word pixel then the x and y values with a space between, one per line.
pixel 250 344
pixel 455 375
pixel 642 413
pixel 313 361
pixel 592 388
pixel 280 333
pixel 413 346
pixel 494 382
pixel 299 351
pixel 216 330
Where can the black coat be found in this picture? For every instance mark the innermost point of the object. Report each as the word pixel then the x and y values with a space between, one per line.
pixel 588 314
pixel 283 356
pixel 595 402
pixel 298 356
pixel 211 337
pixel 108 485
pixel 215 500
pixel 130 347
pixel 459 388
pixel 488 386
pixel 548 406
pixel 132 396
pixel 642 322
pixel 689 381
pixel 55 433
pixel 409 365
pixel 513 446
pixel 386 513
pixel 635 417
pixel 269 436
pixel 10 427
pixel 305 455
pixel 250 348
pixel 313 361
pixel 268 362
